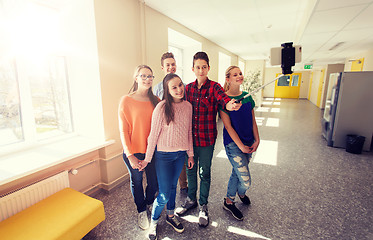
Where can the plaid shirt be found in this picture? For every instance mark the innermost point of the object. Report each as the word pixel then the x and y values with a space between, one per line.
pixel 205 102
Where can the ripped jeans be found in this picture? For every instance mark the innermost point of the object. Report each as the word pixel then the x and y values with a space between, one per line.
pixel 240 179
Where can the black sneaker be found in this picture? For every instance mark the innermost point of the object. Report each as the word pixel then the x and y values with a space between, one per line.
pixel 203 216
pixel 174 222
pixel 188 205
pixel 237 214
pixel 245 200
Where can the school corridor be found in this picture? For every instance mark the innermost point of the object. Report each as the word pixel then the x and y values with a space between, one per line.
pixel 301 188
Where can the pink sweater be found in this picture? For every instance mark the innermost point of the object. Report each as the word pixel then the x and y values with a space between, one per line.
pixel 177 136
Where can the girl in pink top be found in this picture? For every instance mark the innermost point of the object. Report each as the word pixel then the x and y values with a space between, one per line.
pixel 135 113
pixel 171 142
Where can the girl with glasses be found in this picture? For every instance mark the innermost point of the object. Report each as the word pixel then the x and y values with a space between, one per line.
pixel 135 113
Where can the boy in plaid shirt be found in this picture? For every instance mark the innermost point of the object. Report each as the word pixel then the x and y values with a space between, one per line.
pixel 205 96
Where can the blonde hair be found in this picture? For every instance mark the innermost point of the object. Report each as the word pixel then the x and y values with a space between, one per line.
pixel 227 75
pixel 153 99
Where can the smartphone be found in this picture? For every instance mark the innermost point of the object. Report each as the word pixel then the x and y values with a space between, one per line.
pixel 239 100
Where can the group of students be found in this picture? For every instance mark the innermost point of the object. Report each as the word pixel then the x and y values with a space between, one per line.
pixel 164 134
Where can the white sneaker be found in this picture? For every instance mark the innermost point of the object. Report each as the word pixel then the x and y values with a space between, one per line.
pixel 143 220
pixel 203 216
pixel 152 235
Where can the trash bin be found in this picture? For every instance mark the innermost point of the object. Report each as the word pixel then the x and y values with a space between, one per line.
pixel 354 143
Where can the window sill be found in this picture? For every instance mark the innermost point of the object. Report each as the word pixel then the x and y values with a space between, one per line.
pixel 18 165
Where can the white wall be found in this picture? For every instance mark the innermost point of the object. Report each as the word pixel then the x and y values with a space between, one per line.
pixel 269 75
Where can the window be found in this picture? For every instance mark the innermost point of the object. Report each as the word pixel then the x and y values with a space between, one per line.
pixel 178 54
pixel 34 91
pixel 295 81
pixel 185 48
pixel 50 90
pixel 283 81
pixel 10 117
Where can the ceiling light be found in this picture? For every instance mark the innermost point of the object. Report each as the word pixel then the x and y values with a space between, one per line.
pixel 336 46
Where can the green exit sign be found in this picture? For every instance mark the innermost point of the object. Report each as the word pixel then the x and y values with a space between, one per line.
pixel 307 66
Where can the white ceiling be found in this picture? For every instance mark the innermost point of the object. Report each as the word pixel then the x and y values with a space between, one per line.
pixel 250 28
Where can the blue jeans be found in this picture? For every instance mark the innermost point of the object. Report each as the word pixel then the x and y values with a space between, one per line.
pixel 240 179
pixel 137 189
pixel 168 166
pixel 202 164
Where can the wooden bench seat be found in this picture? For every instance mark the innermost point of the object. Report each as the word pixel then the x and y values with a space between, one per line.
pixel 66 215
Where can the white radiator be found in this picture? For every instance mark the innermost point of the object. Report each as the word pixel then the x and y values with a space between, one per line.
pixel 25 197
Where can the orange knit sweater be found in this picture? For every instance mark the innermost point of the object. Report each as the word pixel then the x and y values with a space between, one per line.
pixel 134 124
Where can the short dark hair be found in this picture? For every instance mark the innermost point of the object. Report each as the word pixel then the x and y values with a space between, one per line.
pixel 202 56
pixel 165 56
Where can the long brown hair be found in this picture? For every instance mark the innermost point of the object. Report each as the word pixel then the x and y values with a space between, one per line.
pixel 227 75
pixel 169 111
pixel 153 99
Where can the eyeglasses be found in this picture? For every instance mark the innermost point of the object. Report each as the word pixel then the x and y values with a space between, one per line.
pixel 143 77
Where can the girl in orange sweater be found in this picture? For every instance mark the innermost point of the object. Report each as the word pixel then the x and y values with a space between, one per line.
pixel 135 114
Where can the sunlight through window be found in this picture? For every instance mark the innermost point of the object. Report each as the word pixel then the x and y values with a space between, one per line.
pixel 273 122
pixel 259 121
pixel 214 224
pixel 245 233
pixel 266 153
pixel 267 103
pixel 262 109
pixel 268 99
pixel 222 154
pixel 34 81
pixel 277 99
pixel 190 218
pixel 277 103
pixel 277 110
pixel 194 219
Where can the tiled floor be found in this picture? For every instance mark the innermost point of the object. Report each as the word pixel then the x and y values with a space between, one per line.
pixel 301 188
